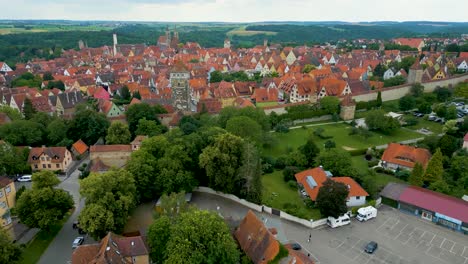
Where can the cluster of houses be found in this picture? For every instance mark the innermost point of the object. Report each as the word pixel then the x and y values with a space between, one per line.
pixel 178 76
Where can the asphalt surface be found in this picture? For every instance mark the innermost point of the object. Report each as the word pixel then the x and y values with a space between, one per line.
pixel 60 250
pixel 402 238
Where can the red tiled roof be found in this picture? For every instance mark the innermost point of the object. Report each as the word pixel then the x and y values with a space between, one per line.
pixel 406 155
pixel 52 152
pixel 256 240
pixel 80 147
pixel 436 202
pixel 319 176
pixel 111 148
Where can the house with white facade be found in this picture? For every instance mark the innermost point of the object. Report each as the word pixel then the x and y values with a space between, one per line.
pixel 311 180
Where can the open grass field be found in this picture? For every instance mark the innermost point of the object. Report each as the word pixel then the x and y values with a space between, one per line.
pixel 381 179
pixel 432 126
pixel 286 142
pixel 267 104
pixel 242 32
pixel 276 193
pixel 34 249
pixel 10 29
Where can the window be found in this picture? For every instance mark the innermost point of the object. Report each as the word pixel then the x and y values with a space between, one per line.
pixel 42 158
pixel 8 189
pixel 43 166
pixel 57 166
pixel 48 166
pixel 358 197
pixel 2 204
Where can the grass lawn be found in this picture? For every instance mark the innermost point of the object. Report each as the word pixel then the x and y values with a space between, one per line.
pixel 267 104
pixel 434 127
pixel 276 193
pixel 34 249
pixel 381 179
pixel 286 142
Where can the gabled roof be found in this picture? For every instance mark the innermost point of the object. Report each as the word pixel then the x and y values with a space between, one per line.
pixel 406 155
pixel 56 154
pixel 4 181
pixel 256 240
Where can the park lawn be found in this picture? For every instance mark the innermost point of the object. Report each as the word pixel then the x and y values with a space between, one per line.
pixel 35 248
pixel 360 163
pixel 276 193
pixel 286 142
pixel 432 126
pixel 267 104
pixel 381 179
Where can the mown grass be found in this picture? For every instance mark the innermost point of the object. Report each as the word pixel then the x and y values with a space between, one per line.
pixel 35 248
pixel 276 193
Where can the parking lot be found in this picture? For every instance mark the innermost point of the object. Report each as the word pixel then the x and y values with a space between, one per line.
pixel 402 238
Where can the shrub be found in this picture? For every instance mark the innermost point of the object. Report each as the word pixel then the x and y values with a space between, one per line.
pixel 20 191
pixel 280 163
pixel 411 121
pixel 385 171
pixel 357 152
pixel 292 184
pixel 288 173
pixel 372 163
pixel 368 156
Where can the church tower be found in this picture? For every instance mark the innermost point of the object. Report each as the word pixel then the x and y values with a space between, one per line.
pixel 179 80
pixel 168 36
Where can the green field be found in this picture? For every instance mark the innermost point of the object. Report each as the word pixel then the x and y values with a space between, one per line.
pixel 432 126
pixel 286 142
pixel 276 193
pixel 241 31
pixel 10 29
pixel 381 179
pixel 267 104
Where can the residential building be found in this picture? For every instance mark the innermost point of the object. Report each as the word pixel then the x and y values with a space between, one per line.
pixel 50 158
pixel 136 143
pixel 79 148
pixel 7 201
pixel 398 156
pixel 111 155
pixel 431 206
pixel 311 180
pixel 256 240
pixel 113 249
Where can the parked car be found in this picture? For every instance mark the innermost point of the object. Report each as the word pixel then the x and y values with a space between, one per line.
pixel 77 242
pixel 371 247
pixel 296 246
pixel 25 178
pixel 432 118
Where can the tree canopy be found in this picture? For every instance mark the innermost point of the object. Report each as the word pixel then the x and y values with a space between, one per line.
pixel 9 252
pixel 143 110
pixel 331 198
pixel 118 133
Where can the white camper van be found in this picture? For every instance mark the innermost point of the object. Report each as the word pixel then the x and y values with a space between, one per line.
pixel 366 213
pixel 340 221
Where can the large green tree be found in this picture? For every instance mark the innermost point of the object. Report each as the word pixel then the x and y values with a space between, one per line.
pixel 337 162
pixel 416 177
pixel 88 125
pixel 331 198
pixel 331 104
pixel 118 133
pixel 159 233
pixel 222 161
pixel 188 245
pixel 143 110
pixel 245 127
pixel 250 174
pixel 435 169
pixel 22 133
pixel 43 205
pixel 28 108
pixel 310 151
pixel 57 131
pixel 12 160
pixel 149 128
pixel 407 102
pixel 12 113
pixel 109 199
pixel 9 252
pixel 377 120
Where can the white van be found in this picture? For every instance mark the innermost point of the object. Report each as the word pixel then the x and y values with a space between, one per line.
pixel 366 213
pixel 25 178
pixel 340 221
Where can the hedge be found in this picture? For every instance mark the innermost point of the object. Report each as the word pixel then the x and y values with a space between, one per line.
pixel 357 152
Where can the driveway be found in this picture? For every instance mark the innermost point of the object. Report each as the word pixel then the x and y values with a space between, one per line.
pixel 402 238
pixel 59 251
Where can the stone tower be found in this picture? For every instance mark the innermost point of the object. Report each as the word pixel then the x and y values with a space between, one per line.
pixel 81 44
pixel 168 36
pixel 114 37
pixel 415 72
pixel 227 43
pixel 179 80
pixel 348 107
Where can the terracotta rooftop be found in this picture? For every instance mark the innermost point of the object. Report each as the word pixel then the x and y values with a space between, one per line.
pixel 56 154
pixel 406 155
pixel 80 147
pixel 255 239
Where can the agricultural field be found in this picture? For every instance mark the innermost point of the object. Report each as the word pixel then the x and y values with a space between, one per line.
pixel 241 31
pixel 37 28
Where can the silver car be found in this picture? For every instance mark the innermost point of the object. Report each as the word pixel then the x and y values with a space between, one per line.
pixel 77 242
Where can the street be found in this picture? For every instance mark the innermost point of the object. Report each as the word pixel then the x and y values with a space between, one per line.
pixel 60 250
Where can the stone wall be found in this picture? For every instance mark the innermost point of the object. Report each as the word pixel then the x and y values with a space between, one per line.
pixel 116 159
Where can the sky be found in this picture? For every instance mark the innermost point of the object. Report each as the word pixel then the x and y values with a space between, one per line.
pixel 237 10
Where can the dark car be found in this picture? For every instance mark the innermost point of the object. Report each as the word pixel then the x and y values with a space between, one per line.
pixel 371 247
pixel 296 246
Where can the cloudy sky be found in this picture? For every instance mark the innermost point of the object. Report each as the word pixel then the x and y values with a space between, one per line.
pixel 237 10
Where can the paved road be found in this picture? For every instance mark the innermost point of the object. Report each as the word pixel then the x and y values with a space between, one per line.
pixel 59 251
pixel 402 238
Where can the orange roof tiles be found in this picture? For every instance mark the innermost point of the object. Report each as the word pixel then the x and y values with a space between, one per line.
pixel 406 155
pixel 256 240
pixel 80 147
pixel 319 176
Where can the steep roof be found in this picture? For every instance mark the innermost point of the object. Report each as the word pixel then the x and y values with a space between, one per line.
pixel 80 147
pixel 56 154
pixel 436 202
pixel 406 155
pixel 317 176
pixel 256 240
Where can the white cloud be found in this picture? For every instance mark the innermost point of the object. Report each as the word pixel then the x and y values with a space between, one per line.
pixel 237 10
